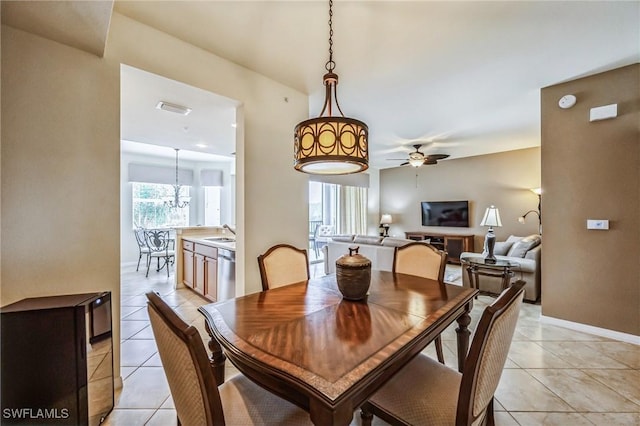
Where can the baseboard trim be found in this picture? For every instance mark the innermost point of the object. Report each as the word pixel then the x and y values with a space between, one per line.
pixel 603 332
pixel 117 383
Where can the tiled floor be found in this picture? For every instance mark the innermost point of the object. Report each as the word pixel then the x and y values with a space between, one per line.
pixel 553 376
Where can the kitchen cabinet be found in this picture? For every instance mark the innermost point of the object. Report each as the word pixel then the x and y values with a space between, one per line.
pixel 188 260
pixel 200 270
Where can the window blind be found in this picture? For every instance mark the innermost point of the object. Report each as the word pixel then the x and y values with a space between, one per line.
pixel 159 174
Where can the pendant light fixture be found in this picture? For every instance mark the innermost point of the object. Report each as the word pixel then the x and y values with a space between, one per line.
pixel 328 144
pixel 177 201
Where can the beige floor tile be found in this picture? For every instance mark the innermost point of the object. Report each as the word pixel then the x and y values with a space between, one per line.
pixel 532 355
pixel 614 419
pixel 168 404
pixel 147 387
pixel 139 300
pixel 126 371
pixel 624 382
pixel 550 419
pixel 504 419
pixel 583 392
pixel 163 418
pixel 144 334
pixel 122 417
pixel 519 391
pixel 130 328
pixel 549 332
pixel 136 352
pixel 581 355
pixel 128 310
pixel 626 353
pixel 139 315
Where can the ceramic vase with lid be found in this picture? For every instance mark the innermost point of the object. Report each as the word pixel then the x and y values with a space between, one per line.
pixel 353 274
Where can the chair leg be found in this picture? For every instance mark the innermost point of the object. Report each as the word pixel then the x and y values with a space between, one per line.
pixel 366 417
pixel 439 350
pixel 148 265
pixel 490 419
pixel 166 263
pixel 139 259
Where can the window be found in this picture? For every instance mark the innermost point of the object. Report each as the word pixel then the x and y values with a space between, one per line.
pixel 149 210
pixel 212 206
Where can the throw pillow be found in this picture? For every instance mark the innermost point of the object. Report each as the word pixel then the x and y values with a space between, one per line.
pixel 366 239
pixel 520 248
pixel 502 248
pixel 342 238
pixel 395 242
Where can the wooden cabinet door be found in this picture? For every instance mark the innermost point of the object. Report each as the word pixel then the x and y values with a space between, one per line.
pixel 211 278
pixel 187 268
pixel 200 275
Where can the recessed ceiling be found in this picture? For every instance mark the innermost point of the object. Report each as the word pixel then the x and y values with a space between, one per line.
pixel 209 128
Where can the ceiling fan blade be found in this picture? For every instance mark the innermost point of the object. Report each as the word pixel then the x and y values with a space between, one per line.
pixel 395 159
pixel 405 163
pixel 436 157
pixel 429 162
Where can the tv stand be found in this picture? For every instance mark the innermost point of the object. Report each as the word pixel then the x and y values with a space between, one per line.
pixel 453 244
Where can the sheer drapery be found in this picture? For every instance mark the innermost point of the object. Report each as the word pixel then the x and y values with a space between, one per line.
pixel 352 210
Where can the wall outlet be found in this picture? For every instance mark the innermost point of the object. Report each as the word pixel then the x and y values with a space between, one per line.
pixel 597 224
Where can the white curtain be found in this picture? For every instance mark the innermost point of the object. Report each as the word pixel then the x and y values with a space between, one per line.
pixel 352 210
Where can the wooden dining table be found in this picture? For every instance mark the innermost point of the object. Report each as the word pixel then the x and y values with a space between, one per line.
pixel 326 354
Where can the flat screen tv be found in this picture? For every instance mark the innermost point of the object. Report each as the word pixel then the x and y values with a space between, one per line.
pixel 445 213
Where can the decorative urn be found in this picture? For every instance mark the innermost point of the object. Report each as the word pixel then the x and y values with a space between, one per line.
pixel 353 274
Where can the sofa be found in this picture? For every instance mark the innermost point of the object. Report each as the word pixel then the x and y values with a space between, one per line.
pixel 377 249
pixel 524 251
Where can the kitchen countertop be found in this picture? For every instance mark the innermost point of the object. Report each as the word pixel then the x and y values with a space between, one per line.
pixel 210 240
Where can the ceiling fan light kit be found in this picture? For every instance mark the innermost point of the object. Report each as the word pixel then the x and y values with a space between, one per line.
pixel 331 145
pixel 417 158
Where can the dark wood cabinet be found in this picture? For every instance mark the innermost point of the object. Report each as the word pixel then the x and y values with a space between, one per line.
pixel 57 360
pixel 453 244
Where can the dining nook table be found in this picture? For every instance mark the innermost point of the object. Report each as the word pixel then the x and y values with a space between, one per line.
pixel 326 354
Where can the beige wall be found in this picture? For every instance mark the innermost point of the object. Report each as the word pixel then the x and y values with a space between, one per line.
pixel 61 158
pixel 591 170
pixel 501 179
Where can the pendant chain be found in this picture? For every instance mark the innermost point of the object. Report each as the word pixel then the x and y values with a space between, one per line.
pixel 330 64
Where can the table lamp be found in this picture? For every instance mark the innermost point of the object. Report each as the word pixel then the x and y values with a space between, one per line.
pixel 385 221
pixel 491 218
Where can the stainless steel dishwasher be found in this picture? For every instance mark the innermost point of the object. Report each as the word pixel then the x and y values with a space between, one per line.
pixel 226 274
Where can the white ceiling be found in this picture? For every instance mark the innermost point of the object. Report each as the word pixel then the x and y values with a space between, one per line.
pixel 464 77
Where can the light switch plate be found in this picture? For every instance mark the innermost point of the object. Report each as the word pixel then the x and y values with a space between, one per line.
pixel 602 224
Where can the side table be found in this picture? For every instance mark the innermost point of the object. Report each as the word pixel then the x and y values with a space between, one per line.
pixel 476 266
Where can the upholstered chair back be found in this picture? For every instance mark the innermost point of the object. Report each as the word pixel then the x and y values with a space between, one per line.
pixel 420 259
pixel 283 264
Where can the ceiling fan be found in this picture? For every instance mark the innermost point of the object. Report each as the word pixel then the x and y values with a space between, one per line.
pixel 417 158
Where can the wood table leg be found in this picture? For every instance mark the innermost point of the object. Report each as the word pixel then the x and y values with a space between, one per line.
pixel 217 358
pixel 463 336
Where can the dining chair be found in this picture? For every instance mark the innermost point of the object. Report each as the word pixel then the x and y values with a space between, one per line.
pixel 322 236
pixel 159 243
pixel 283 264
pixel 142 245
pixel 423 260
pixel 427 392
pixel 196 395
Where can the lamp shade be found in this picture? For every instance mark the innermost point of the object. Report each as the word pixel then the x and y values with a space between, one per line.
pixel 386 219
pixel 491 217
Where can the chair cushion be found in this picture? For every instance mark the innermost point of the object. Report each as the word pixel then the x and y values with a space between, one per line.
pixel 245 403
pixel 521 247
pixel 502 248
pixel 424 392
